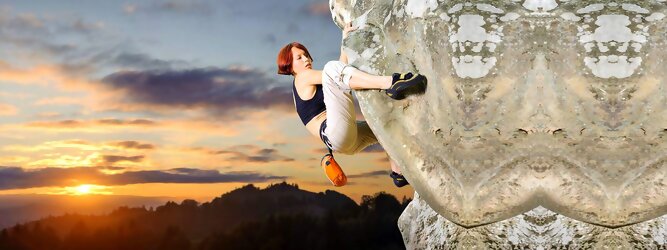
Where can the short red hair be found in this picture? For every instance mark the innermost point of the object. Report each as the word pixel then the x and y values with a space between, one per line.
pixel 284 60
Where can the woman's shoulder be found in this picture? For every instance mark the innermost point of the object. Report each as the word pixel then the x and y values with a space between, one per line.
pixel 309 77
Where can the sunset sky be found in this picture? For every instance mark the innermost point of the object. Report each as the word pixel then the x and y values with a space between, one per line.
pixel 163 98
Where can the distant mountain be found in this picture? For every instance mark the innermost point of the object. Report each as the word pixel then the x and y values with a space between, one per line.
pixel 281 216
pixel 27 207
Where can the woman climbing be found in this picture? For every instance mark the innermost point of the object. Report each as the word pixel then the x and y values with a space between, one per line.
pixel 324 103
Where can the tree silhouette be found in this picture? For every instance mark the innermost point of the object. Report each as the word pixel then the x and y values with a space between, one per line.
pixel 280 216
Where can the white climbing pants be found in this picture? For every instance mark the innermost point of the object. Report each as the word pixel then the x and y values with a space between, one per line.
pixel 341 131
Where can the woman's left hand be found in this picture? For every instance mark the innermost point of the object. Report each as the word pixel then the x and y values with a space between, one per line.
pixel 346 30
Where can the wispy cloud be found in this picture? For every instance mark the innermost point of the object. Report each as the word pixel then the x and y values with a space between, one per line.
pixel 45 33
pixel 194 7
pixel 71 124
pixel 252 153
pixel 375 148
pixel 318 9
pixel 80 145
pixel 111 159
pixel 370 174
pixel 7 109
pixel 59 100
pixel 18 178
pixel 132 145
pixel 139 60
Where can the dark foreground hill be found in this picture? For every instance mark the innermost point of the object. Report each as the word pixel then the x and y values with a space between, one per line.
pixel 281 216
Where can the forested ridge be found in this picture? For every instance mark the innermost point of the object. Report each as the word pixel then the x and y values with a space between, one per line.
pixel 281 216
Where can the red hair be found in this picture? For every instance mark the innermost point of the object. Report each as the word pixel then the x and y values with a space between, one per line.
pixel 284 60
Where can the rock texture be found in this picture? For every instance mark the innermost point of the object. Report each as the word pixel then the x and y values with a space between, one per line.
pixel 423 228
pixel 557 104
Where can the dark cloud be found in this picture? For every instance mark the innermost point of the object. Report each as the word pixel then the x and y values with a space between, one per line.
pixel 270 39
pixel 133 145
pixel 57 124
pixel 110 159
pixel 78 123
pixel 252 153
pixel 80 26
pixel 370 174
pixel 193 7
pixel 110 168
pixel 322 150
pixel 19 178
pixel 227 92
pixel 383 160
pixel 125 122
pixel 375 148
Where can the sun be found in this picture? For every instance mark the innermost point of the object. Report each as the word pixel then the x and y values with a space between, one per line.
pixel 83 189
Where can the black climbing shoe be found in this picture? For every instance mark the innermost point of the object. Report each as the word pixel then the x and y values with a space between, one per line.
pixel 405 84
pixel 399 180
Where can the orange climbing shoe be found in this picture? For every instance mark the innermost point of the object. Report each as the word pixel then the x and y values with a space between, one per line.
pixel 333 171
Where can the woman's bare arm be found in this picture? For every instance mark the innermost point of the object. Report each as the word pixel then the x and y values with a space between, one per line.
pixel 310 77
pixel 343 56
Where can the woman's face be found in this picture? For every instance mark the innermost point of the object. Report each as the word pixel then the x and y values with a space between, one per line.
pixel 300 61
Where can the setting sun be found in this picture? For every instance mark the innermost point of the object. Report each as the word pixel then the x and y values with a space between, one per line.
pixel 83 189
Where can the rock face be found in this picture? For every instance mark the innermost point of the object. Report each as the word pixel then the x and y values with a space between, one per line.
pixel 530 103
pixel 423 228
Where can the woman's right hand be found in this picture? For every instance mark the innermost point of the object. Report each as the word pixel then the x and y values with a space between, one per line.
pixel 347 29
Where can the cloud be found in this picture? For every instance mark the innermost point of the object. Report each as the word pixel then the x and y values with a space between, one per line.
pixel 60 100
pixel 173 127
pixel 370 174
pixel 72 124
pixel 44 33
pixel 80 145
pixel 111 159
pixel 7 110
pixel 142 61
pixel 19 178
pixel 375 148
pixel 252 154
pixel 383 160
pixel 270 39
pixel 226 92
pixel 132 145
pixel 130 8
pixel 70 49
pixel 318 9
pixel 171 6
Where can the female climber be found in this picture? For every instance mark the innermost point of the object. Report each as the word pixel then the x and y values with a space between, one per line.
pixel 324 102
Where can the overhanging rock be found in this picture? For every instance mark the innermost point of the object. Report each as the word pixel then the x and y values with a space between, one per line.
pixel 553 104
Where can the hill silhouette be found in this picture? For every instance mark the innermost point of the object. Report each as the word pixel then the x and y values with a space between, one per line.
pixel 29 207
pixel 281 216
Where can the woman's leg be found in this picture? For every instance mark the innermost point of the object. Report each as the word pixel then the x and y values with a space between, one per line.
pixel 365 137
pixel 362 80
pixel 341 125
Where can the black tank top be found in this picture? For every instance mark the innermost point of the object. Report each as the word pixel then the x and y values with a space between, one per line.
pixel 307 109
